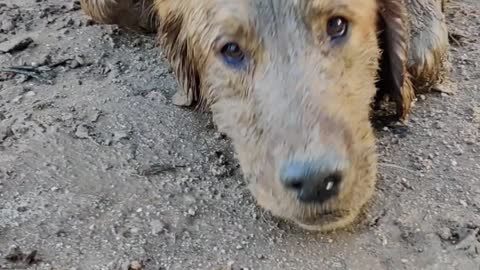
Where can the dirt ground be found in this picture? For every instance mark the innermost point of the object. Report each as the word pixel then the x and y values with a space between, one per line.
pixel 98 170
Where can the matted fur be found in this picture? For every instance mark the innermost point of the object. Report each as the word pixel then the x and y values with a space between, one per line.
pixel 299 96
pixel 136 15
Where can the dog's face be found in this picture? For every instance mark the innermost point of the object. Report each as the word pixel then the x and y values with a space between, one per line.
pixel 291 83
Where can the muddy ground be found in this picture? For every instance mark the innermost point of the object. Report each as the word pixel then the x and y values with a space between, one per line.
pixel 98 170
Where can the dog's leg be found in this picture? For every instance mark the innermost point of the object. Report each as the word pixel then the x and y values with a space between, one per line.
pixel 428 50
pixel 136 15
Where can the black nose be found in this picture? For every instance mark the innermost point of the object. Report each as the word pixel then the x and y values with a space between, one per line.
pixel 313 182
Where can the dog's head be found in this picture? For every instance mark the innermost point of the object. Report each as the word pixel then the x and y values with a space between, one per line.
pixel 291 83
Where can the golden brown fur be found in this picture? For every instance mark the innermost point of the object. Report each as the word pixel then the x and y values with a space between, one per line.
pixel 136 15
pixel 300 95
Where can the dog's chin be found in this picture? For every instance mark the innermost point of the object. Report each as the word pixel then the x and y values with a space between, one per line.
pixel 325 221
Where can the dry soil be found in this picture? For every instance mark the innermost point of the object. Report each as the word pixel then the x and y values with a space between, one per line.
pixel 98 170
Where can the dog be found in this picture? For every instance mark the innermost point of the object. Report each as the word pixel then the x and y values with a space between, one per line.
pixel 292 83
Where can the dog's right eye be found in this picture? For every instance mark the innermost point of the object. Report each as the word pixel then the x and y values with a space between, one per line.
pixel 232 54
pixel 337 27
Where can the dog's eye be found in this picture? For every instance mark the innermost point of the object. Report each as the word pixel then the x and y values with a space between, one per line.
pixel 337 27
pixel 232 53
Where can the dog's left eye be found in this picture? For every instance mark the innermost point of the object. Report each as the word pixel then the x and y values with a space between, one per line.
pixel 337 27
pixel 232 54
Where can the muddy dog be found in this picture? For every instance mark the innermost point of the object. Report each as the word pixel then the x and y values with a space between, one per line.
pixel 291 82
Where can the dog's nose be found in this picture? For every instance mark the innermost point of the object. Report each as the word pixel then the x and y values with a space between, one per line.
pixel 313 182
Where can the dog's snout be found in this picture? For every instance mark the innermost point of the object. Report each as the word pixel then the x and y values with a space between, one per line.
pixel 313 182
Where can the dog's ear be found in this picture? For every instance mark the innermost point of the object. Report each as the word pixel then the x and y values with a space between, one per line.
pixel 179 49
pixel 394 37
pixel 134 15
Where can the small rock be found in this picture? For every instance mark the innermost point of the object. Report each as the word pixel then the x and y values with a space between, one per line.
pixel 80 60
pixel 82 132
pixel 454 162
pixel 191 212
pixel 219 170
pixel 74 64
pixel 94 116
pixel 6 131
pixel 406 184
pixel 135 265
pixel 22 209
pixel 463 203
pixel 438 125
pixel 15 44
pixel 17 99
pixel 120 135
pixel 226 267
pixel 445 233
pixel 30 94
pixel 476 114
pixel 157 226
pixel 7 25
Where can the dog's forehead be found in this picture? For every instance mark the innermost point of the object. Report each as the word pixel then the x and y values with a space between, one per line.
pixel 280 13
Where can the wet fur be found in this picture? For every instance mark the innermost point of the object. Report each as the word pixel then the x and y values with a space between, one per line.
pixel 410 56
pixel 135 15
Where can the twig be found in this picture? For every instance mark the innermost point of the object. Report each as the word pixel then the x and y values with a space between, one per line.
pixel 36 73
pixel 456 38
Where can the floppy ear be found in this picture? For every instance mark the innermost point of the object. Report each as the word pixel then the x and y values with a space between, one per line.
pixel 135 15
pixel 179 49
pixel 394 37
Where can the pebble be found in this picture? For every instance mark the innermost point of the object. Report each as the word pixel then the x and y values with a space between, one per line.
pixel 17 99
pixel 438 125
pixel 157 226
pixel 15 44
pixel 191 212
pixel 30 94
pixel 445 233
pixel 82 132
pixel 135 265
pixel 7 25
pixel 120 135
pixel 74 64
